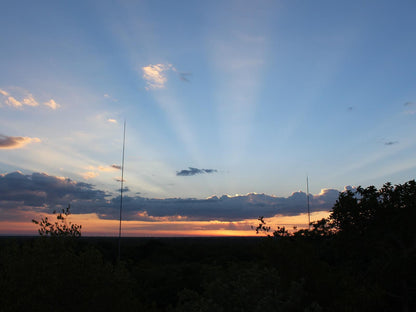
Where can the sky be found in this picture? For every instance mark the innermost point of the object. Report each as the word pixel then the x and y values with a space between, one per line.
pixel 228 105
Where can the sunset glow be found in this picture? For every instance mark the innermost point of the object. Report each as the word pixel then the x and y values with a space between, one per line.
pixel 219 98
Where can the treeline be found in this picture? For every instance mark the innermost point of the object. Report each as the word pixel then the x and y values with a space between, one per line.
pixel 361 258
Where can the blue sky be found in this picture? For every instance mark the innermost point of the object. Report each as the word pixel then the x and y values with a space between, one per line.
pixel 259 94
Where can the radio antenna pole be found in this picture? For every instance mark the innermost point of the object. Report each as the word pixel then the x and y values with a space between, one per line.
pixel 307 196
pixel 121 189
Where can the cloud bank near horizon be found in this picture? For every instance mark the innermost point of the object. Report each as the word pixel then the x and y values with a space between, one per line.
pixel 42 193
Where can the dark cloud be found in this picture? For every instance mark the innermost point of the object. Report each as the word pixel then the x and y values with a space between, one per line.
pixel 116 167
pixel 194 171
pixel 411 108
pixel 350 108
pixel 183 76
pixel 41 193
pixel 224 208
pixel 210 170
pixel 391 142
pixel 7 141
pixel 125 190
pixel 12 142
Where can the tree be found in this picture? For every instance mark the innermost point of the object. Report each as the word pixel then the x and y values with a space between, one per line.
pixel 261 228
pixel 61 227
pixel 380 224
pixel 391 209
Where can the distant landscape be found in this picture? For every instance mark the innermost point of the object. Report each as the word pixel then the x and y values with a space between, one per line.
pixel 208 156
pixel 361 258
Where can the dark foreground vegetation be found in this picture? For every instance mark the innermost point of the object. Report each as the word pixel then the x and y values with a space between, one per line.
pixel 362 258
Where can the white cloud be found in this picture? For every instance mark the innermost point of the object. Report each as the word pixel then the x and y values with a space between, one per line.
pixel 5 93
pixel 107 168
pixel 89 175
pixel 30 101
pixel 108 96
pixel 52 104
pixel 155 75
pixel 112 120
pixel 13 102
pixel 19 98
pixel 94 171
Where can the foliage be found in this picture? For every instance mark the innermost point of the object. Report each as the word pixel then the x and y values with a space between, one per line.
pixel 369 233
pixel 380 224
pixel 366 211
pixel 61 227
pixel 263 228
pixel 363 211
pixel 46 275
pixel 361 258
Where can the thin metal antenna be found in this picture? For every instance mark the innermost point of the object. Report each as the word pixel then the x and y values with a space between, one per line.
pixel 121 189
pixel 307 195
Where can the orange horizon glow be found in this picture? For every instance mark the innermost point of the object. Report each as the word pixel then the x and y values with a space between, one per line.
pixel 92 225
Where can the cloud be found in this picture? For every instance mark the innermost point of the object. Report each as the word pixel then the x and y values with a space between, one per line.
pixel 52 104
pixel 155 76
pixel 30 101
pixel 40 192
pixel 108 168
pixel 194 171
pixel 26 99
pixel 89 175
pixel 116 166
pixel 93 171
pixel 125 190
pixel 112 120
pixel 18 100
pixel 183 76
pixel 108 96
pixel 410 105
pixel 10 100
pixel 10 142
pixel 391 142
pixel 226 208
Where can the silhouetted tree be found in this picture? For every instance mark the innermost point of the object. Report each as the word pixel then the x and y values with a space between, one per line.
pixel 261 228
pixel 379 224
pixel 61 227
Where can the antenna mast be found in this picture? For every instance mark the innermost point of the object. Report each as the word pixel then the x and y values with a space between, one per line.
pixel 307 196
pixel 121 188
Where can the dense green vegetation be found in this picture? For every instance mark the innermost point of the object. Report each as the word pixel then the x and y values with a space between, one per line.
pixel 362 258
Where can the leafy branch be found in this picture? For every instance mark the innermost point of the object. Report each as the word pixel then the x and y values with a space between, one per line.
pixel 61 227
